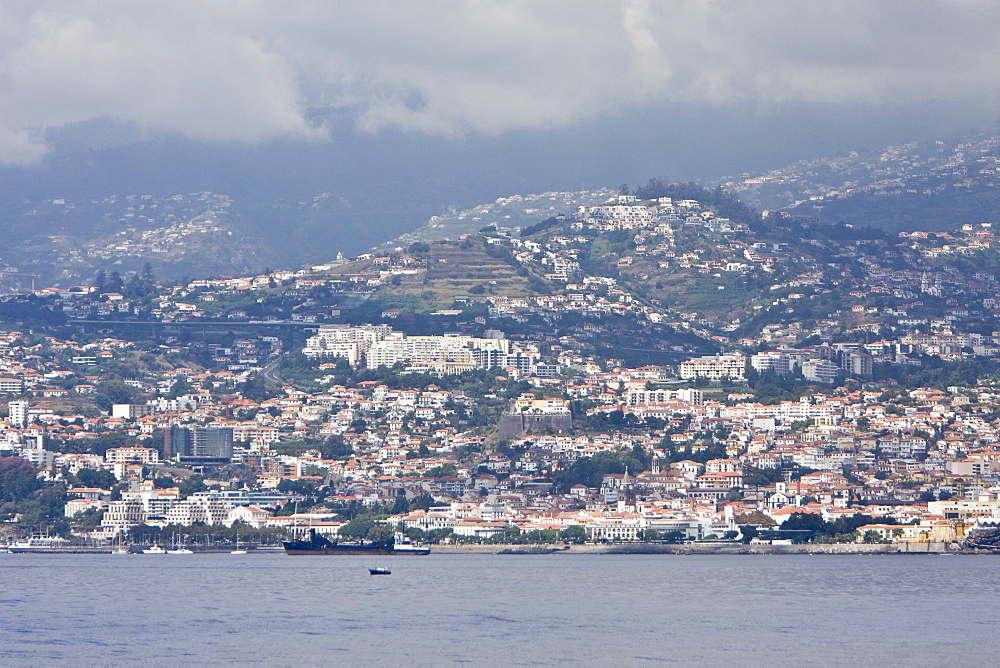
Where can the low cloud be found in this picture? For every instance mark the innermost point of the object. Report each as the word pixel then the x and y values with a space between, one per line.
pixel 251 71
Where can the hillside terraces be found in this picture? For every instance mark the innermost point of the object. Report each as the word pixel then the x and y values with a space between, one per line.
pixel 458 267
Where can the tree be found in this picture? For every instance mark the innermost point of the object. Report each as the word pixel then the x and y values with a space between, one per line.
pixel 335 447
pixel 443 471
pixel 421 502
pixel 757 517
pixel 43 511
pixel 100 479
pixel 114 392
pixel 255 389
pixel 749 532
pixel 192 485
pixel 400 505
pixel 18 479
pixel 100 281
pixel 872 536
pixel 358 528
pixel 163 482
pixel 304 487
pixel 115 283
pixel 803 522
pixel 381 533
pixel 179 388
pixel 574 534
pixel 89 518
pixel 437 535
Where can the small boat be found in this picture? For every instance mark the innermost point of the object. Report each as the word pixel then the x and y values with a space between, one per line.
pixel 156 549
pixel 238 549
pixel 177 549
pixel 379 570
pixel 238 552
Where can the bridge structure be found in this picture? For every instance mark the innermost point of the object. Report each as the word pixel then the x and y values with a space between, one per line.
pixel 158 328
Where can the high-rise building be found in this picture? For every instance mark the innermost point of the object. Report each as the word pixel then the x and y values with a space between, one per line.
pixel 209 442
pixel 18 413
pixel 857 364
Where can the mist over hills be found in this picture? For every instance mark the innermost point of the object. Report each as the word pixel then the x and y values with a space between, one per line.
pixel 108 197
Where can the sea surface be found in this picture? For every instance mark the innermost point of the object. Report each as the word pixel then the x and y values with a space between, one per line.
pixel 560 609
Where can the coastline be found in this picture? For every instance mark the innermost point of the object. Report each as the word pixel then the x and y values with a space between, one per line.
pixel 708 549
pixel 682 549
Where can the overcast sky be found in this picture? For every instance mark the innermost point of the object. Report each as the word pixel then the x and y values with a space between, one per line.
pixel 251 72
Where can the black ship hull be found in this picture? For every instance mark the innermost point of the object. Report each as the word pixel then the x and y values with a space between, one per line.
pixel 317 545
pixel 345 550
pixel 339 549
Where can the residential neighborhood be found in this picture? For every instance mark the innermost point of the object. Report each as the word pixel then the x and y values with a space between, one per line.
pixel 574 396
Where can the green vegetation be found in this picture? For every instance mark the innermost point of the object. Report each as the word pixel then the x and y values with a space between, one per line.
pixel 23 493
pixel 726 204
pixel 809 527
pixel 206 535
pixel 590 471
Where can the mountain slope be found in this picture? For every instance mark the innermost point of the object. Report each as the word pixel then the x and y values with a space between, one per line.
pixel 935 185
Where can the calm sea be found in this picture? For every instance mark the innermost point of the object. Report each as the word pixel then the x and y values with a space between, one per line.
pixel 499 610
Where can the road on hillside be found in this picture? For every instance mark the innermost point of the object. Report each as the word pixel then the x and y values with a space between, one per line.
pixel 270 371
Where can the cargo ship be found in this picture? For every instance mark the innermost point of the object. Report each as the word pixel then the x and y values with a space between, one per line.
pixel 316 544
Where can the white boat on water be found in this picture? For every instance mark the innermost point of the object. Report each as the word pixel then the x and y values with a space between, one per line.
pixel 156 549
pixel 177 547
pixel 39 544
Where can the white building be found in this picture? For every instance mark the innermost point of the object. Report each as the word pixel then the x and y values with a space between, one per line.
pixel 350 343
pixel 820 371
pixel 123 515
pixel 18 413
pixel 715 368
pixel 430 350
pixel 197 509
pixel 132 455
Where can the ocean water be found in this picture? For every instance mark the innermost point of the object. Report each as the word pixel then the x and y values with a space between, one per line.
pixel 585 609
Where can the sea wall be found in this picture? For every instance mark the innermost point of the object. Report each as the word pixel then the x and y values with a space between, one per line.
pixel 714 548
pixel 512 424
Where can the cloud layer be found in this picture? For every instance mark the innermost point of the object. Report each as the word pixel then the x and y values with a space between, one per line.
pixel 251 71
